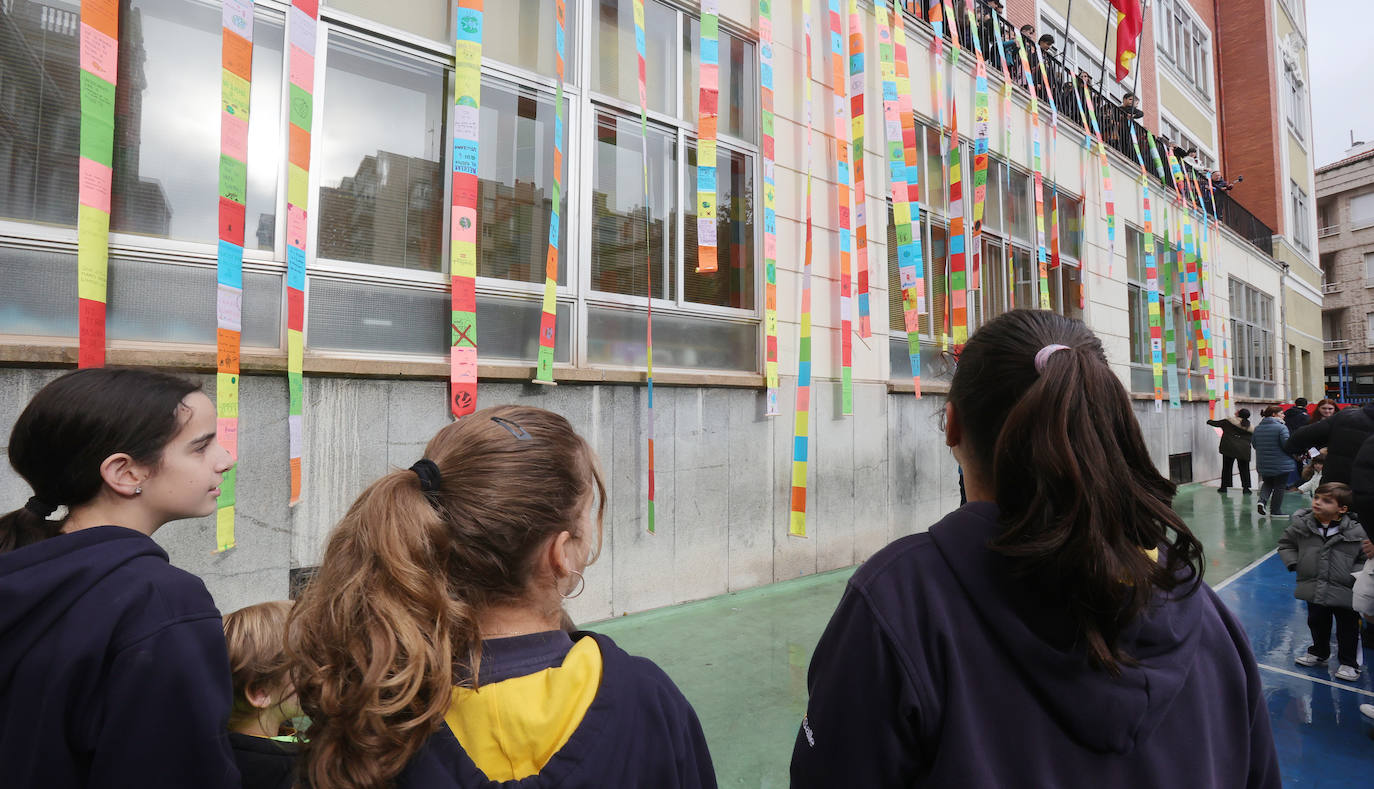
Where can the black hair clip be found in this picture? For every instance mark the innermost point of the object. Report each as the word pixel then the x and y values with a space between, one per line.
pixel 515 430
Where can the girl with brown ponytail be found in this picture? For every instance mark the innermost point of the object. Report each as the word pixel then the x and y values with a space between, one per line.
pixel 429 650
pixel 1054 631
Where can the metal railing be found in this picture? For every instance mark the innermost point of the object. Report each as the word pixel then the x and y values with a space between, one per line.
pixel 1329 230
pixel 1119 128
pixel 1335 345
pixel 1331 287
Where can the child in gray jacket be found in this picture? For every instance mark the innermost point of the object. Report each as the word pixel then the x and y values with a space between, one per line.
pixel 1325 546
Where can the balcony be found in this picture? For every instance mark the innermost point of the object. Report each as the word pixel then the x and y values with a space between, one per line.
pixel 1119 130
pixel 1331 287
pixel 1329 230
pixel 1336 345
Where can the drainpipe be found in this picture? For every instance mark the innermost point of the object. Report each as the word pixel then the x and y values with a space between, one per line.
pixel 1283 321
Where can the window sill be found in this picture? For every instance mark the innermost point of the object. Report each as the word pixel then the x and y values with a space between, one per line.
pixel 909 387
pixel 18 351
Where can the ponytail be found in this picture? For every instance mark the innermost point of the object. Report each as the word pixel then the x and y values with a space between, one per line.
pixel 25 527
pixel 375 638
pixel 1079 497
pixel 390 622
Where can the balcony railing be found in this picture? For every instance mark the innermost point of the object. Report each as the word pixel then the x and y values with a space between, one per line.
pixel 1119 130
pixel 1329 230
pixel 1331 287
pixel 1335 345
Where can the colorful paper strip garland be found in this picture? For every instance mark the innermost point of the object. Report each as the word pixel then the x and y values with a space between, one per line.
pixel 770 213
pixel 99 54
pixel 796 524
pixel 981 129
pixel 648 255
pixel 858 86
pixel 903 176
pixel 1107 200
pixel 708 100
pixel 463 224
pixel 236 63
pixel 842 178
pixel 302 22
pixel 548 318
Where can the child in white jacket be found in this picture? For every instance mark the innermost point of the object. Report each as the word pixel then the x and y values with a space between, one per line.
pixel 1313 473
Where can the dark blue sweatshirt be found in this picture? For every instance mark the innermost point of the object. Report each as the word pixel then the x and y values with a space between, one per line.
pixel 638 731
pixel 113 669
pixel 941 668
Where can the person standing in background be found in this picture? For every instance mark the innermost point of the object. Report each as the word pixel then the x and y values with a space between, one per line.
pixel 1273 464
pixel 1234 448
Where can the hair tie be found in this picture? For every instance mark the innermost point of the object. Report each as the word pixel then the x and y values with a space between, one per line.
pixel 39 507
pixel 428 473
pixel 1043 355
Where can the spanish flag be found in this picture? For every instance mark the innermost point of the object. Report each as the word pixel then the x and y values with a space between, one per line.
pixel 1130 20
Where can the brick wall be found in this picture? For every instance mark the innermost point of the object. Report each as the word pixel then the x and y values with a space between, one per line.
pixel 1248 94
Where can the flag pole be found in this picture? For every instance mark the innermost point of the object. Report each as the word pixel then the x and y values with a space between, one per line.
pixel 1106 32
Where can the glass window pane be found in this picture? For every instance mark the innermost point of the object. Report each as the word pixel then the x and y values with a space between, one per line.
pixel 40 102
pixel 167 141
pixel 1021 208
pixel 520 32
pixel 992 211
pixel 737 112
pixel 1071 291
pixel 616 336
pixel 1070 226
pixel 994 278
pixel 618 242
pixel 428 18
pixel 515 184
pixel 615 64
pixel 732 285
pixel 1027 290
pixel 381 162
pixel 1140 332
pixel 936 259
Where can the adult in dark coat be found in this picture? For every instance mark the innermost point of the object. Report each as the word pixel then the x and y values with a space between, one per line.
pixel 1342 433
pixel 1295 418
pixel 1273 464
pixel 1234 447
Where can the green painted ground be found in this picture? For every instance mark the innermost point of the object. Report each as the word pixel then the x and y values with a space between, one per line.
pixel 741 658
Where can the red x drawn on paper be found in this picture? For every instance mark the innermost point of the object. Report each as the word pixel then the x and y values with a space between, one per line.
pixel 462 336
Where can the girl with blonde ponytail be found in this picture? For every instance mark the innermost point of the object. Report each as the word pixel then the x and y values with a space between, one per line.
pixel 429 649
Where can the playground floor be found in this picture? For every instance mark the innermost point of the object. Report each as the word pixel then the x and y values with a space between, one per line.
pixel 741 658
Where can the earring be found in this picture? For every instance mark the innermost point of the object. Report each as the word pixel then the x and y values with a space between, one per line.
pixel 581 585
pixel 137 491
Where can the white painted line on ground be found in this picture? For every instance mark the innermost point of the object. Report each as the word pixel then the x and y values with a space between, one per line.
pixel 1246 569
pixel 1341 685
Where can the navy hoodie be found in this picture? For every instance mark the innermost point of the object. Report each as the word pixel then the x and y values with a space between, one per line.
pixel 113 668
pixel 941 668
pixel 639 730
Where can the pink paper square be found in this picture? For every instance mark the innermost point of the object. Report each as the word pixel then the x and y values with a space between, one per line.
pixel 99 53
pixel 94 187
pixel 233 136
pixel 227 434
pixel 295 227
pixel 302 69
pixel 464 224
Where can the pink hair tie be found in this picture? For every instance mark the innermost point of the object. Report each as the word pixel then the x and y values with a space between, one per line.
pixel 1043 355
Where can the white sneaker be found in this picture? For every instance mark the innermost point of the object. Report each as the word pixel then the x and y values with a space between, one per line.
pixel 1309 659
pixel 1367 710
pixel 1260 508
pixel 1348 673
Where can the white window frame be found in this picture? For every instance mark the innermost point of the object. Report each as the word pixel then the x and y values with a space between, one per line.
pixel 1185 44
pixel 1301 206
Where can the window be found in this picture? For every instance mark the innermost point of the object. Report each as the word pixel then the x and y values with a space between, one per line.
pixel 1302 232
pixel 1295 99
pixel 1185 43
pixel 1184 140
pixel 1369 328
pixel 1137 297
pixel 1362 210
pixel 1252 332
pixel 1369 268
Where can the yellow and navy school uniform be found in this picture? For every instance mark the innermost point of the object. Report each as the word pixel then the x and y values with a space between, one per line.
pixel 568 711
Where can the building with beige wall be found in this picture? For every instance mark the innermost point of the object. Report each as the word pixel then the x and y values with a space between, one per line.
pixel 377 328
pixel 1345 238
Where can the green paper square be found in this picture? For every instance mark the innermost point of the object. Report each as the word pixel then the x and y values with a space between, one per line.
pixel 228 488
pixel 233 179
pixel 301 107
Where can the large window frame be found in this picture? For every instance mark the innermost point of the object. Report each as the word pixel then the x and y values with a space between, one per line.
pixel 574 293
pixel 1301 206
pixel 1185 43
pixel 1252 339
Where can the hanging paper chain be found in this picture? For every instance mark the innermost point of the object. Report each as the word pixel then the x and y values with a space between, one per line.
pixel 841 129
pixel 548 319
pixel 981 129
pixel 956 285
pixel 1151 282
pixel 99 70
pixel 770 214
pixel 796 525
pixel 302 23
pixel 708 104
pixel 858 86
pixel 1106 182
pixel 467 102
pixel 1037 168
pixel 236 51
pixel 648 255
pixel 904 177
pixel 1170 338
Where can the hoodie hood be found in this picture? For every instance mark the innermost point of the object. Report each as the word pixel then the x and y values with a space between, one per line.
pixel 42 582
pixel 1120 711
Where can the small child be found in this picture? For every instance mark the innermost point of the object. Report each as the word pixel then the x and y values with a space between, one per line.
pixel 1312 473
pixel 263 696
pixel 1325 545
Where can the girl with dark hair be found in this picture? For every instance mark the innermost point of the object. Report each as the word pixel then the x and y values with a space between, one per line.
pixel 1055 631
pixel 1273 464
pixel 1234 447
pixel 429 650
pixel 113 670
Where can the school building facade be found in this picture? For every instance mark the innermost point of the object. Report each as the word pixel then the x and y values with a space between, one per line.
pixel 377 326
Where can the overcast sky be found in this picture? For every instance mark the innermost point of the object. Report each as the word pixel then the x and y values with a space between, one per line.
pixel 1342 64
